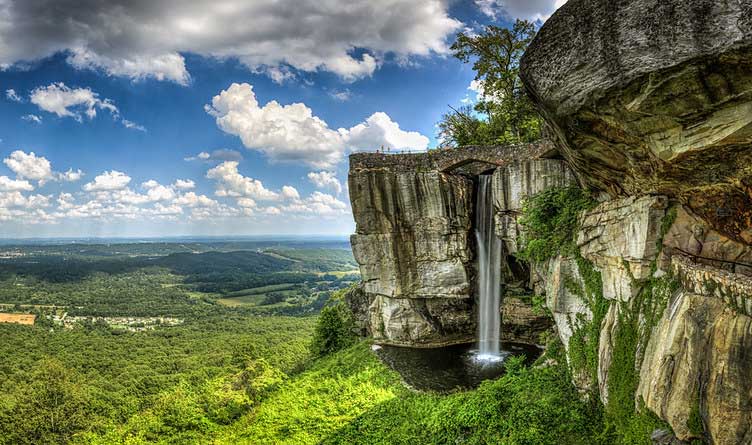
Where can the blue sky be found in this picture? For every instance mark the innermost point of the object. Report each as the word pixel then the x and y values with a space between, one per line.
pixel 224 118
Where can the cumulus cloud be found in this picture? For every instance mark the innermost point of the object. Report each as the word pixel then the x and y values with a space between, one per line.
pixel 290 192
pixel 191 199
pixel 325 180
pixel 108 181
pixel 63 101
pixel 14 185
pixel 293 133
pixel 184 184
pixel 11 95
pixel 231 183
pixel 317 204
pixel 281 132
pixel 519 9
pixel 29 166
pixel 379 130
pixel 145 39
pixel 70 175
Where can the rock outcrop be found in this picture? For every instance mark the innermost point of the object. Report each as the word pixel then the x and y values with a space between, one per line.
pixel 415 257
pixel 621 237
pixel 698 364
pixel 415 240
pixel 653 97
pixel 513 182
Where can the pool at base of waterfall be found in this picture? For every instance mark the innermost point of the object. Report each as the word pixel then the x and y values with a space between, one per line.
pixel 451 368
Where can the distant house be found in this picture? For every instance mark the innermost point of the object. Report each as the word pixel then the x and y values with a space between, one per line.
pixel 27 319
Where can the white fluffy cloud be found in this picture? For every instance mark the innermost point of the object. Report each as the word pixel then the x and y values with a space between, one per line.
pixel 283 133
pixel 325 180
pixel 317 204
pixel 379 130
pixel 231 183
pixel 29 166
pixel 293 133
pixel 108 181
pixel 70 175
pixel 14 185
pixel 184 184
pixel 140 39
pixel 64 101
pixel 519 9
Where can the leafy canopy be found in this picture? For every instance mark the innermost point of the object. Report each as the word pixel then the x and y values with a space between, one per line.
pixel 505 113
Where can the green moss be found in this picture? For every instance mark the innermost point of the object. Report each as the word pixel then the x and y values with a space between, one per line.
pixel 694 422
pixel 550 220
pixel 583 345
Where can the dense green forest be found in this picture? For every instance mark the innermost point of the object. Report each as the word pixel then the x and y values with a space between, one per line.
pixel 273 363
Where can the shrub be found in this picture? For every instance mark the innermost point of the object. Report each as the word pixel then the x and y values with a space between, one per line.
pixel 550 220
pixel 335 330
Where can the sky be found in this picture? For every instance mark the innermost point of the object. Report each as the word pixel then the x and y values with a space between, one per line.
pixel 135 118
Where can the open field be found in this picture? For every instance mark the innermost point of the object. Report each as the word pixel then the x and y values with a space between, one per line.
pixel 27 319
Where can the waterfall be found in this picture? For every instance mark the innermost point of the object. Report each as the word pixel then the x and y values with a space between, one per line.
pixel 489 272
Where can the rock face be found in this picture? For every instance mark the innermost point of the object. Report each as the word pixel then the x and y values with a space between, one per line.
pixel 414 253
pixel 621 238
pixel 522 323
pixel 415 240
pixel 698 364
pixel 653 97
pixel 513 182
pixel 567 307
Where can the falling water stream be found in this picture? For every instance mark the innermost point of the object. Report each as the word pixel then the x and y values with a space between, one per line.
pixel 489 274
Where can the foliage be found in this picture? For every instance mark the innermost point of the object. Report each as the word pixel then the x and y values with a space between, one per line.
pixel 335 329
pixel 48 409
pixel 508 114
pixel 583 345
pixel 351 398
pixel 550 220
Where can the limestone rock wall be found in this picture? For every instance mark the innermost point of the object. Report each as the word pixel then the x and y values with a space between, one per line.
pixel 415 257
pixel 653 97
pixel 513 182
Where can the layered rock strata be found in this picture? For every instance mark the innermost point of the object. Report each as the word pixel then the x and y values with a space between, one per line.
pixel 653 97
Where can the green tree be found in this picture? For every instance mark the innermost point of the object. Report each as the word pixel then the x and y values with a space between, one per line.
pixel 504 114
pixel 50 409
pixel 335 330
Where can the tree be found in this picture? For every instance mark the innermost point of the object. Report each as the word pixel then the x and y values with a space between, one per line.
pixel 504 113
pixel 335 330
pixel 50 409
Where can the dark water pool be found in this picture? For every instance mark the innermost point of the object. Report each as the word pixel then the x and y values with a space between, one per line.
pixel 449 368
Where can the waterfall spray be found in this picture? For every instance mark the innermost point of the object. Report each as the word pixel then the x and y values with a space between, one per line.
pixel 489 273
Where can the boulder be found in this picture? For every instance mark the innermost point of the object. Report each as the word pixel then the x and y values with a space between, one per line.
pixel 653 97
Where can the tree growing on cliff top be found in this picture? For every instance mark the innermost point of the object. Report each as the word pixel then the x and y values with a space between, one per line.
pixel 504 112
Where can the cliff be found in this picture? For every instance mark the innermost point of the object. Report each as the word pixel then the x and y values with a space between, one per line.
pixel 650 107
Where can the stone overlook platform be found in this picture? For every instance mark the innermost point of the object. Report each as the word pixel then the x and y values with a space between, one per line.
pixel 451 159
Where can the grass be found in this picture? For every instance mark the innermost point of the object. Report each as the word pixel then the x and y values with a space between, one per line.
pixel 350 397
